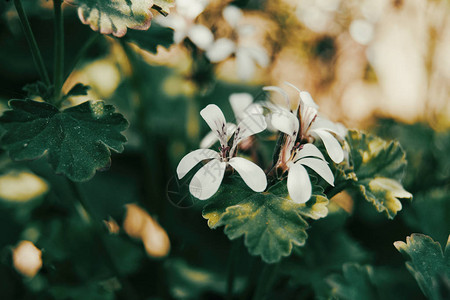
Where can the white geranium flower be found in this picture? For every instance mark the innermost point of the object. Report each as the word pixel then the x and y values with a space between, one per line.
pixel 301 128
pixel 242 106
pixel 207 180
pixel 247 56
pixel 182 22
pixel 309 125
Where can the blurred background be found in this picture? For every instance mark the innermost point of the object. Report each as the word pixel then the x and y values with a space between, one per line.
pixel 377 65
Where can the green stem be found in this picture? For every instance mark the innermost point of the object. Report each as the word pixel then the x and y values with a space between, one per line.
pixel 128 290
pixel 59 50
pixel 337 189
pixel 231 270
pixel 265 281
pixel 37 57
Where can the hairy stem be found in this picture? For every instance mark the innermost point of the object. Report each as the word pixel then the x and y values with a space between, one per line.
pixel 59 50
pixel 37 57
pixel 337 189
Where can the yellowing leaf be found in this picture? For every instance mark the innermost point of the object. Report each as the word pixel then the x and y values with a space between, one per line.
pixel 114 17
pixel 379 166
pixel 270 222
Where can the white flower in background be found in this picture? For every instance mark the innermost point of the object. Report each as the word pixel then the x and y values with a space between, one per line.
pixel 182 22
pixel 247 55
pixel 301 129
pixel 207 180
pixel 242 106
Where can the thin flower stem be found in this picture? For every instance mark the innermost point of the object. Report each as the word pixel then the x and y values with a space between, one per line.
pixel 231 270
pixel 59 50
pixel 266 280
pixel 337 189
pixel 37 57
pixel 128 290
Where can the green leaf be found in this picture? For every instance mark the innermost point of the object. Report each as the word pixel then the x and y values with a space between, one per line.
pixel 150 39
pixel 379 166
pixel 355 283
pixel 270 222
pixel 114 17
pixel 426 262
pixel 39 89
pixel 77 140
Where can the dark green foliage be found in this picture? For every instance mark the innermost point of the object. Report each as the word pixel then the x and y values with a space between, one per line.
pixel 77 140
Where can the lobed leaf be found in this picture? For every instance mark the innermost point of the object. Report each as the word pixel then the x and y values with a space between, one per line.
pixel 270 222
pixel 426 262
pixel 77 140
pixel 379 167
pixel 355 283
pixel 114 17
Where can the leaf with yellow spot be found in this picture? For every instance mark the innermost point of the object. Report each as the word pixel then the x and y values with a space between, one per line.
pixel 77 140
pixel 114 17
pixel 429 265
pixel 379 166
pixel 270 222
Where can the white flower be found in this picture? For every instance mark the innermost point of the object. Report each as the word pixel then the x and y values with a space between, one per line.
pixel 297 151
pixel 182 22
pixel 207 180
pixel 242 106
pixel 308 126
pixel 247 56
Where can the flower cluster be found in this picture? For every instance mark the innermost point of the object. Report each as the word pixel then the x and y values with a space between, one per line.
pixel 299 129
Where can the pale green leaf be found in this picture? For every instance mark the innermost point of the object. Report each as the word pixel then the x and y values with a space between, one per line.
pixel 114 17
pixel 426 262
pixel 77 140
pixel 379 166
pixel 270 222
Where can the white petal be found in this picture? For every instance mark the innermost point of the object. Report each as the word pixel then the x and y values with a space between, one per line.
pixel 231 128
pixel 325 124
pixel 244 64
pixel 207 180
pixel 285 121
pixel 332 145
pixel 280 91
pixel 209 140
pixel 309 150
pixel 201 36
pixel 298 184
pixel 215 119
pixel 252 175
pixel 220 50
pixel 259 54
pixel 308 100
pixel 193 158
pixel 232 15
pixel 250 125
pixel 239 103
pixel 320 167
